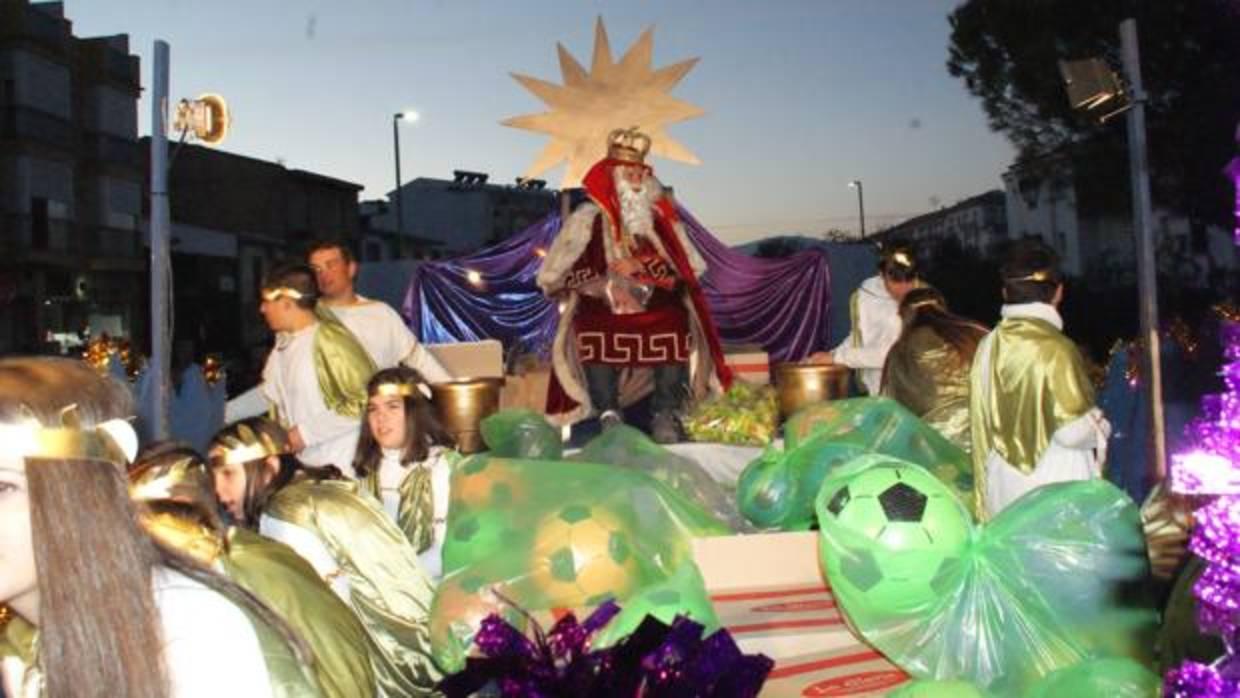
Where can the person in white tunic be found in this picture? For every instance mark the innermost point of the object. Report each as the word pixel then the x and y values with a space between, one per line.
pixel 102 609
pixel 376 325
pixel 874 309
pixel 404 460
pixel 315 375
pixel 1031 405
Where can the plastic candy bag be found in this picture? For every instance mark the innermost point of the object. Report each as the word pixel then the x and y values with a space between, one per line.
pixel 548 534
pixel 518 433
pixel 745 415
pixel 1054 579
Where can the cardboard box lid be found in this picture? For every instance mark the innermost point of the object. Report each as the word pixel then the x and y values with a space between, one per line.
pixel 464 360
pixel 759 560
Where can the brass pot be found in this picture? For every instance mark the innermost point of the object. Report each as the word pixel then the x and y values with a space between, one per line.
pixel 462 405
pixel 798 385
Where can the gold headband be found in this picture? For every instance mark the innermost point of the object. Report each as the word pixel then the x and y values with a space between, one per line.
pixel 273 294
pixel 902 258
pixel 1041 276
pixel 248 444
pixel 394 389
pixel 923 303
pixel 30 439
pixel 167 481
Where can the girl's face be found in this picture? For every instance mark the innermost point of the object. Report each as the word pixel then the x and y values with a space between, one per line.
pixel 230 488
pixel 385 415
pixel 19 581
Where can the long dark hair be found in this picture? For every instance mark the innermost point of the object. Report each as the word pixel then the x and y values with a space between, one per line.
pixel 422 428
pixel 99 628
pixel 276 438
pixel 926 307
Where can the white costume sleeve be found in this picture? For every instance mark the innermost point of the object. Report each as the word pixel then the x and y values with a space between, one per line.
pixel 311 548
pixel 251 403
pixel 210 647
pixel 1083 432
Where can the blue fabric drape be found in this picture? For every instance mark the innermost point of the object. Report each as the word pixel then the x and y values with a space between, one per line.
pixel 782 305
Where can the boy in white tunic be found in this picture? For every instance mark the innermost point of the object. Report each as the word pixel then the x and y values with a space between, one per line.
pixel 1031 408
pixel 875 311
pixel 316 374
pixel 376 325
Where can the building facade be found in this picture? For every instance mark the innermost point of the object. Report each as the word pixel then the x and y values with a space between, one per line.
pixel 233 218
pixel 466 213
pixel 978 223
pixel 70 182
pixel 1101 246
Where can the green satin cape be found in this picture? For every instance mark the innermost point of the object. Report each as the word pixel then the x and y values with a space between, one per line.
pixel 288 584
pixel 389 591
pixel 928 376
pixel 1038 383
pixel 342 365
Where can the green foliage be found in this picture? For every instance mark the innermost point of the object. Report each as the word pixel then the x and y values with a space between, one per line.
pixel 1006 53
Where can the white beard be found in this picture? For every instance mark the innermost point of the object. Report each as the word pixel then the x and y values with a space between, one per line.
pixel 637 205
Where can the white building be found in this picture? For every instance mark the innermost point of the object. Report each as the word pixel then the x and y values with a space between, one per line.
pixel 1103 246
pixel 466 213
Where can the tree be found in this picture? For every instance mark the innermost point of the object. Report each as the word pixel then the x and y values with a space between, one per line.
pixel 1006 52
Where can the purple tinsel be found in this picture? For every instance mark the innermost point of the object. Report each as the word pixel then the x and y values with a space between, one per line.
pixel 656 661
pixel 1193 680
pixel 1212 469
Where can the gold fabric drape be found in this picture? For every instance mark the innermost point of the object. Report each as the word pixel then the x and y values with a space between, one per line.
pixel 342 365
pixel 1038 383
pixel 929 377
pixel 389 591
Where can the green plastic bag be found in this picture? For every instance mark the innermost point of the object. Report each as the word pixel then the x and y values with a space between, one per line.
pixel 938 689
pixel 520 433
pixel 778 489
pixel 631 448
pixel 1099 678
pixel 1051 581
pixel 548 534
pixel 681 594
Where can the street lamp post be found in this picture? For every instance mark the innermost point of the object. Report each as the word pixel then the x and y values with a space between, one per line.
pixel 400 217
pixel 856 184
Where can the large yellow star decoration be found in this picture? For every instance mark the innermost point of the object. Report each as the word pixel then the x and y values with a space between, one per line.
pixel 614 94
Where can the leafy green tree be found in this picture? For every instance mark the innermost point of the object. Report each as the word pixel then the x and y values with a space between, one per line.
pixel 1007 51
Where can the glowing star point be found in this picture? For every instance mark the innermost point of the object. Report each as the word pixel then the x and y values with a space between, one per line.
pixel 613 94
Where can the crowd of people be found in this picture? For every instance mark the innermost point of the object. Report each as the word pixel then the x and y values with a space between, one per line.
pixel 299 554
pixel 1017 397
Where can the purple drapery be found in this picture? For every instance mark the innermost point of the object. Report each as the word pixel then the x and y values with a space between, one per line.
pixel 780 304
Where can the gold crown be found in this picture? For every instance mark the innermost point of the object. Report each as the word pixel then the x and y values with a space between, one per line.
pixel 628 145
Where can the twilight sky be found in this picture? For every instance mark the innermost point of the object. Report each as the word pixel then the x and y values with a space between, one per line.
pixel 801 95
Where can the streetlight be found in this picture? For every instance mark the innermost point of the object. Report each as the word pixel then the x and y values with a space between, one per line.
pixel 399 116
pixel 856 184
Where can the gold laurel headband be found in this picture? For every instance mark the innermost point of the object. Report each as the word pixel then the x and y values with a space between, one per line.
pixel 273 294
pixel 32 440
pixel 923 303
pixel 395 389
pixel 1041 275
pixel 241 454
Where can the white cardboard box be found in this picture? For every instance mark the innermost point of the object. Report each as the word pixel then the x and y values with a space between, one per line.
pixel 465 360
pixel 748 363
pixel 770 594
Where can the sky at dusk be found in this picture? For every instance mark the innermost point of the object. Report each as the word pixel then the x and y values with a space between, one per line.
pixel 800 97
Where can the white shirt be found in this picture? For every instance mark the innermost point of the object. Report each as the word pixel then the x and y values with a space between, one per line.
pixel 392 474
pixel 878 325
pixel 292 385
pixel 387 338
pixel 1076 451
pixel 210 647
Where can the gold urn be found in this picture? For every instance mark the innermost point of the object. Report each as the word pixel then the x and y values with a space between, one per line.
pixel 462 405
pixel 798 385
